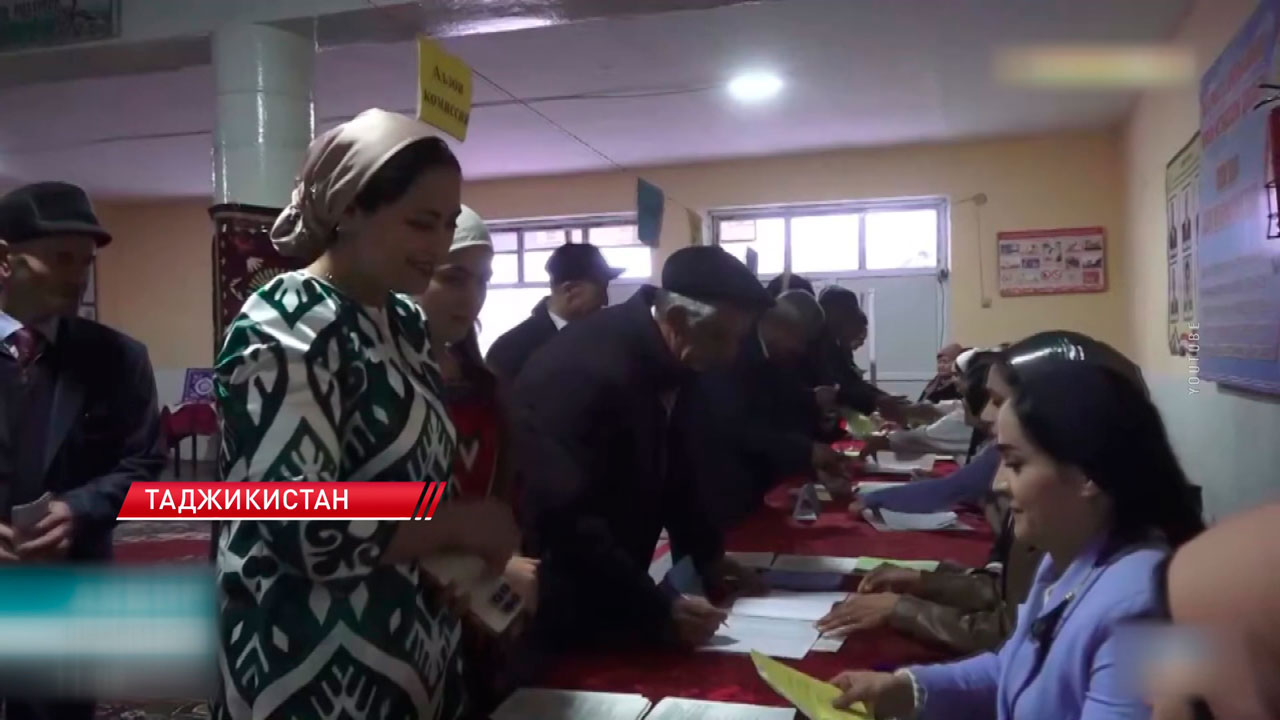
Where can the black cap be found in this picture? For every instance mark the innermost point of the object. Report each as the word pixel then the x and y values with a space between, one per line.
pixel 580 262
pixel 49 208
pixel 709 274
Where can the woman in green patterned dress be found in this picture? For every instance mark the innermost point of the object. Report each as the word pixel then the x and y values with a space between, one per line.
pixel 326 375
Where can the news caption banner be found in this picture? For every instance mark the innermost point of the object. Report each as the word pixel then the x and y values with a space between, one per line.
pixel 1238 257
pixel 282 501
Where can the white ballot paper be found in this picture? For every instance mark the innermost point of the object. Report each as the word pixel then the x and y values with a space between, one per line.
pixel 888 520
pixel 25 516
pixel 757 560
pixel 538 704
pixel 775 637
pixel 893 464
pixel 829 643
pixel 816 564
pixel 789 605
pixel 779 624
pixel 673 708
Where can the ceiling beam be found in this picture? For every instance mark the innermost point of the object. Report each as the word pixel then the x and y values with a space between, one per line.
pixel 166 35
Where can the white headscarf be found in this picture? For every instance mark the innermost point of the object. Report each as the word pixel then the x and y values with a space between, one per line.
pixel 471 231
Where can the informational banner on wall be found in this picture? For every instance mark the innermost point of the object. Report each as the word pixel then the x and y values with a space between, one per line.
pixel 444 89
pixel 1052 262
pixel 1182 214
pixel 1238 269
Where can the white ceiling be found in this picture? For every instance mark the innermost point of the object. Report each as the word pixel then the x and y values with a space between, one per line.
pixel 859 73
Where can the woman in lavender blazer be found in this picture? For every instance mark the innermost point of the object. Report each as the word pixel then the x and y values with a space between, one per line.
pixel 1089 475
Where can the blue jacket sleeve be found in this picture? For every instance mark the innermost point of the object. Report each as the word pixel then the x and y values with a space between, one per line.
pixel 968 484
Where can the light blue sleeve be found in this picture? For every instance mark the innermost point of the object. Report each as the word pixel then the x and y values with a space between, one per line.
pixel 963 690
pixel 968 484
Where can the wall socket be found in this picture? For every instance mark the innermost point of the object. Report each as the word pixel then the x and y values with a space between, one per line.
pixel 986 303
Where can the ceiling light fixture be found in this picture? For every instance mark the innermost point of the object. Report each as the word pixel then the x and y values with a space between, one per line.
pixel 751 87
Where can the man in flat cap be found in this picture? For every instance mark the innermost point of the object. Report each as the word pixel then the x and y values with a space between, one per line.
pixel 599 457
pixel 580 278
pixel 78 416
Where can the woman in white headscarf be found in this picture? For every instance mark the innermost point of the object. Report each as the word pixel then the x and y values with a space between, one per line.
pixel 326 375
pixel 482 468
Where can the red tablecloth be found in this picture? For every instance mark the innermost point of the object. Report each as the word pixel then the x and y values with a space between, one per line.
pixel 189 419
pixel 732 678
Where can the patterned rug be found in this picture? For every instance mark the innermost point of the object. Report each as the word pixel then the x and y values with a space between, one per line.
pixel 152 543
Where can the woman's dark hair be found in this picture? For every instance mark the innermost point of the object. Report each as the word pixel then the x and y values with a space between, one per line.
pixel 774 287
pixel 475 373
pixel 975 394
pixel 1070 346
pixel 1095 418
pixel 392 180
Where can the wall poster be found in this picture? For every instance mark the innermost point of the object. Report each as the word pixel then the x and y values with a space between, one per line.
pixel 1052 262
pixel 1182 205
pixel 1238 264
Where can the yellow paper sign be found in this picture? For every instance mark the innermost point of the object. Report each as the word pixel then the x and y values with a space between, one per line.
pixel 444 89
pixel 811 696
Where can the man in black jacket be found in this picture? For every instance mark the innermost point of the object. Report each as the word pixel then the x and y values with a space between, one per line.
pixel 77 399
pixel 580 279
pixel 832 359
pixel 599 462
pixel 757 422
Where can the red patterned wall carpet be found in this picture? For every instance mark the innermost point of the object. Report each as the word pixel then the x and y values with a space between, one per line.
pixel 159 543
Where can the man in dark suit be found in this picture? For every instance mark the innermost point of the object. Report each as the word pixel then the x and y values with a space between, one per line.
pixel 80 420
pixel 580 279
pixel 832 359
pixel 757 422
pixel 592 422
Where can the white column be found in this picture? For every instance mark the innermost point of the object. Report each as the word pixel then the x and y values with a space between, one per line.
pixel 265 118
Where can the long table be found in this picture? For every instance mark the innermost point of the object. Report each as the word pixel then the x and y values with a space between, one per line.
pixel 732 678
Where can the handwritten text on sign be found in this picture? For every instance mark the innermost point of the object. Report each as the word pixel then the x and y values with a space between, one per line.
pixel 444 89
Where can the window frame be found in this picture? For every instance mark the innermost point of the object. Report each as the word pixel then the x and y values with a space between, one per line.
pixel 789 211
pixel 585 223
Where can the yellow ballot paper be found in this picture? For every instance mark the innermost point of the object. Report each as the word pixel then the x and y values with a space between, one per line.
pixel 867 564
pixel 811 696
pixel 444 89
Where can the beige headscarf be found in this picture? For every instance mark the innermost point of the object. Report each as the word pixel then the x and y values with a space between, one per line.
pixel 338 165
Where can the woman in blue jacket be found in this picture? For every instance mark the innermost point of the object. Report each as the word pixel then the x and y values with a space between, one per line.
pixel 1088 473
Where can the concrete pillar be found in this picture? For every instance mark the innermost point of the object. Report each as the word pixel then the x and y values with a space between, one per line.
pixel 265 120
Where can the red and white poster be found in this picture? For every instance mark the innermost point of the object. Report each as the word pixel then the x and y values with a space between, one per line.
pixel 1052 262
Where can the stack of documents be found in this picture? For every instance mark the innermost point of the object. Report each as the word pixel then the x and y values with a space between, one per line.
pixel 888 520
pixel 810 696
pixel 780 624
pixel 536 704
pixel 684 709
pixel 891 464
